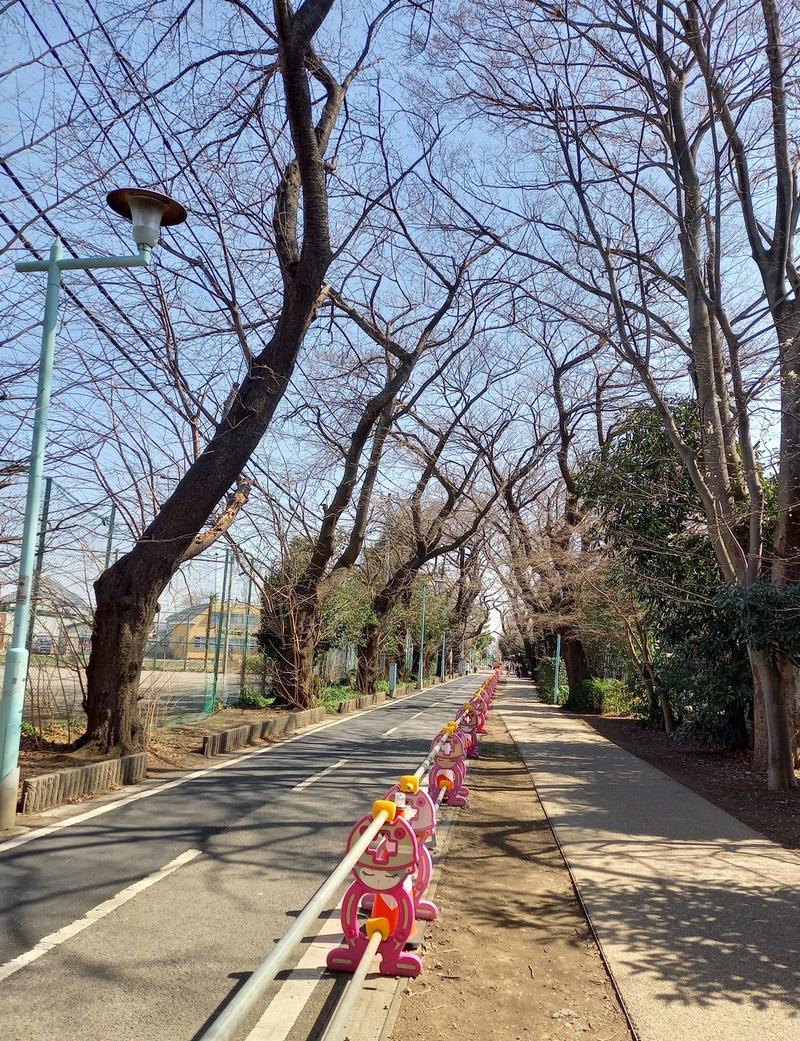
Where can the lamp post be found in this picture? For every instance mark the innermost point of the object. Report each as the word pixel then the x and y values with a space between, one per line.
pixel 148 212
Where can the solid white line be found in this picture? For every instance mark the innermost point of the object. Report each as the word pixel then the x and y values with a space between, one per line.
pixel 49 829
pixel 283 1011
pixel 315 777
pixel 68 931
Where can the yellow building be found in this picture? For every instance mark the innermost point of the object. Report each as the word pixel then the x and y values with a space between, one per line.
pixel 193 632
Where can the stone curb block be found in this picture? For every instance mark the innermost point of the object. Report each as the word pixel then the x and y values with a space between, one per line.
pixel 42 793
pixel 251 733
pixel 361 702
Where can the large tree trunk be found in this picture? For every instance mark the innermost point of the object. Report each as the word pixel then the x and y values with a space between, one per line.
pixel 790 681
pixel 129 599
pixel 367 668
pixel 773 742
pixel 294 662
pixel 574 657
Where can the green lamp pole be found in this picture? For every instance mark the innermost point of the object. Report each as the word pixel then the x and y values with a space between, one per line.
pixel 148 212
pixel 421 668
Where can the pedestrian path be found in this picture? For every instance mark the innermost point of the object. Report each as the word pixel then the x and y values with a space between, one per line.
pixel 697 914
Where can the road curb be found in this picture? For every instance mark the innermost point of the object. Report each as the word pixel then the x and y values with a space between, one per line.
pixel 54 789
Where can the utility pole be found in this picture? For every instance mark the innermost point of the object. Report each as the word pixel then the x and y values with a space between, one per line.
pixel 442 664
pixel 37 569
pixel 557 669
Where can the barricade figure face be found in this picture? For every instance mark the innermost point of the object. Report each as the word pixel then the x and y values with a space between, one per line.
pixel 391 856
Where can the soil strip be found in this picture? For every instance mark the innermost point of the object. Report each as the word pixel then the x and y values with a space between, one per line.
pixel 511 954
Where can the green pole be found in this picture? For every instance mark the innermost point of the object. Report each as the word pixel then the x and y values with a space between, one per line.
pixel 16 668
pixel 110 540
pixel 206 705
pixel 218 646
pixel 243 675
pixel 227 624
pixel 421 667
pixel 37 571
pixel 557 669
pixel 441 664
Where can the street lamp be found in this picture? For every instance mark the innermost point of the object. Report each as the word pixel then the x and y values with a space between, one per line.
pixel 148 212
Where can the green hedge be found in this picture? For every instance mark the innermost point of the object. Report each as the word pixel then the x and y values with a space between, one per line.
pixel 545 675
pixel 598 696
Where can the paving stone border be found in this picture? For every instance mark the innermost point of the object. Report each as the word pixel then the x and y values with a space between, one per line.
pixel 238 737
pixel 250 733
pixel 48 790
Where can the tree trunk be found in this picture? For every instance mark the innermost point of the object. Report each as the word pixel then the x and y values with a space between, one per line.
pixel 367 669
pixel 129 599
pixel 294 665
pixel 779 751
pixel 790 681
pixel 575 661
pixel 667 715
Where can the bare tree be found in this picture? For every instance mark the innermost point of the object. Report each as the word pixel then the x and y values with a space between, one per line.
pixel 651 134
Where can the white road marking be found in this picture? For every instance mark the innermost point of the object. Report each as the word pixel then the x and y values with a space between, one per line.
pixel 94 915
pixel 283 1011
pixel 416 714
pixel 315 777
pixel 49 829
pixel 390 732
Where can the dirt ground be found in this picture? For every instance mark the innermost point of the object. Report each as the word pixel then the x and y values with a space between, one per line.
pixel 511 955
pixel 174 747
pixel 724 778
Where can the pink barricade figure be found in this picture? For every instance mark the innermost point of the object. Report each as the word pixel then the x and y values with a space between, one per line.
pixel 449 769
pixel 468 723
pixel 420 813
pixel 480 702
pixel 383 872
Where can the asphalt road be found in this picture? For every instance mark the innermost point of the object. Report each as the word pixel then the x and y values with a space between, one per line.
pixel 159 963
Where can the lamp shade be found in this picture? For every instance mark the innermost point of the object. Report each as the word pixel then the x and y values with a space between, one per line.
pixel 148 211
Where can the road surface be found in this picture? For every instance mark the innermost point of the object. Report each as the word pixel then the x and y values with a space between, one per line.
pixel 186 889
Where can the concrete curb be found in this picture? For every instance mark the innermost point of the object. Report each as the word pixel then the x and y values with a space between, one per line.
pixel 237 737
pixel 49 790
pixel 361 702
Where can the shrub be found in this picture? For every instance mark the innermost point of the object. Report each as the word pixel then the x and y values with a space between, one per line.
pixel 597 696
pixel 382 685
pixel 332 696
pixel 545 675
pixel 249 699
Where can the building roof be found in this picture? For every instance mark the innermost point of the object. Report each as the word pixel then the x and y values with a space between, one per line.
pixel 55 596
